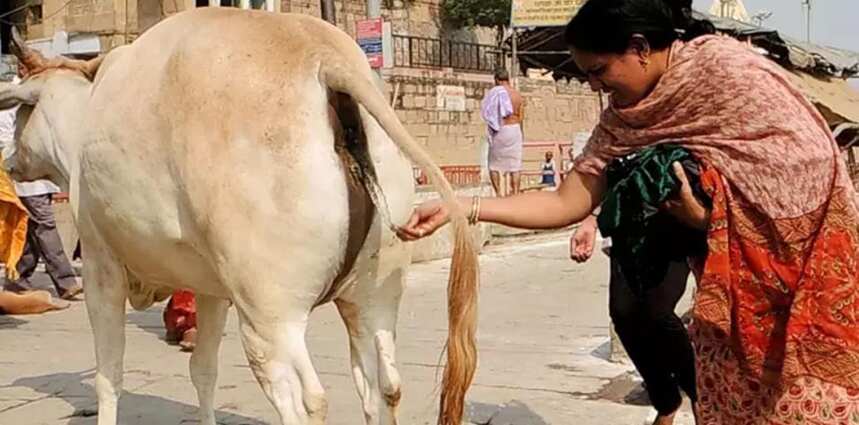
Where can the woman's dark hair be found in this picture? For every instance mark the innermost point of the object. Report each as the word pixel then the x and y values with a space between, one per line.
pixel 606 26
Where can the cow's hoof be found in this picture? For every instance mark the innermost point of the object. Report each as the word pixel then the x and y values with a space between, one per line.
pixel 189 340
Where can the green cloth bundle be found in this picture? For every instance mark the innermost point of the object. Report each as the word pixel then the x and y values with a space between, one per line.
pixel 644 238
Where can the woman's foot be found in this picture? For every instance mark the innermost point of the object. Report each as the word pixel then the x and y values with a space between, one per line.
pixel 664 419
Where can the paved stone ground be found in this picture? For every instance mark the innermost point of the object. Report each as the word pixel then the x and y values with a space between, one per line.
pixel 543 347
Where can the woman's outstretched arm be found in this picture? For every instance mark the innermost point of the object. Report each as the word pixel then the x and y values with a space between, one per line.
pixel 577 196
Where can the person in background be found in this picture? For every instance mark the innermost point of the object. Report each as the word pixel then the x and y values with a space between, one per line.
pixel 180 320
pixel 548 170
pixel 503 111
pixel 568 165
pixel 43 239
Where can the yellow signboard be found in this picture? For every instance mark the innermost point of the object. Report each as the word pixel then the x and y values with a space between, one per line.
pixel 543 13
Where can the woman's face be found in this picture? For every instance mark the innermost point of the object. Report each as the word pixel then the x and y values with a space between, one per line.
pixel 628 77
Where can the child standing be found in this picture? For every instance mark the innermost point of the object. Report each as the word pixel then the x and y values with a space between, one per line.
pixel 549 170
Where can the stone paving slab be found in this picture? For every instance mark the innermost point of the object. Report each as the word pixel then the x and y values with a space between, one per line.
pixel 543 338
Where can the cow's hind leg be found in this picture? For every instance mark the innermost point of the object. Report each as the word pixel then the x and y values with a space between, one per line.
pixel 105 286
pixel 273 331
pixel 211 317
pixel 369 310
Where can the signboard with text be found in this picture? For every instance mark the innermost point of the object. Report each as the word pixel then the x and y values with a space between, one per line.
pixel 450 98
pixel 369 37
pixel 543 13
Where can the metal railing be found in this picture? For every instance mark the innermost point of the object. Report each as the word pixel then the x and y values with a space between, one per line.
pixel 470 175
pixel 457 175
pixel 422 52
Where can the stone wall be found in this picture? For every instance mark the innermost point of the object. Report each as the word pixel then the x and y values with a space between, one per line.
pixel 553 112
pixel 93 16
pixel 557 110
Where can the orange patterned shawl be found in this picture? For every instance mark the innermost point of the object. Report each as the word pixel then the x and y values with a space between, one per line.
pixel 778 298
pixel 13 226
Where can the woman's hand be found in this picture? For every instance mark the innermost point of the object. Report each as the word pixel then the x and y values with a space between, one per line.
pixel 686 207
pixel 583 240
pixel 425 220
pixel 578 195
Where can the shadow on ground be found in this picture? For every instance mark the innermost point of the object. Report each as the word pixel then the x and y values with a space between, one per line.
pixel 144 409
pixel 512 413
pixel 149 320
pixel 603 352
pixel 9 322
pixel 624 389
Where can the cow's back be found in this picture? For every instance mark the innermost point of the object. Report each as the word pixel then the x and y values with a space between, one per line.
pixel 213 124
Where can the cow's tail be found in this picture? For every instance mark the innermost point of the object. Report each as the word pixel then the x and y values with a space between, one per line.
pixel 464 274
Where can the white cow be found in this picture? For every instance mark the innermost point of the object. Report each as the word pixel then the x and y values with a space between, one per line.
pixel 203 156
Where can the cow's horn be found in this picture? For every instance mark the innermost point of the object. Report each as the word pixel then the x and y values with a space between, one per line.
pixel 30 58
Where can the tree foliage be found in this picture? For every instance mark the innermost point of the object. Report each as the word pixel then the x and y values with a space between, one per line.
pixel 476 13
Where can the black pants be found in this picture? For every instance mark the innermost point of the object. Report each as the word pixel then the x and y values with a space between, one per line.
pixel 654 337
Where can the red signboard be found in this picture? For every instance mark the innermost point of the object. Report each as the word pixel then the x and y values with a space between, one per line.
pixel 369 28
pixel 376 60
pixel 369 36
